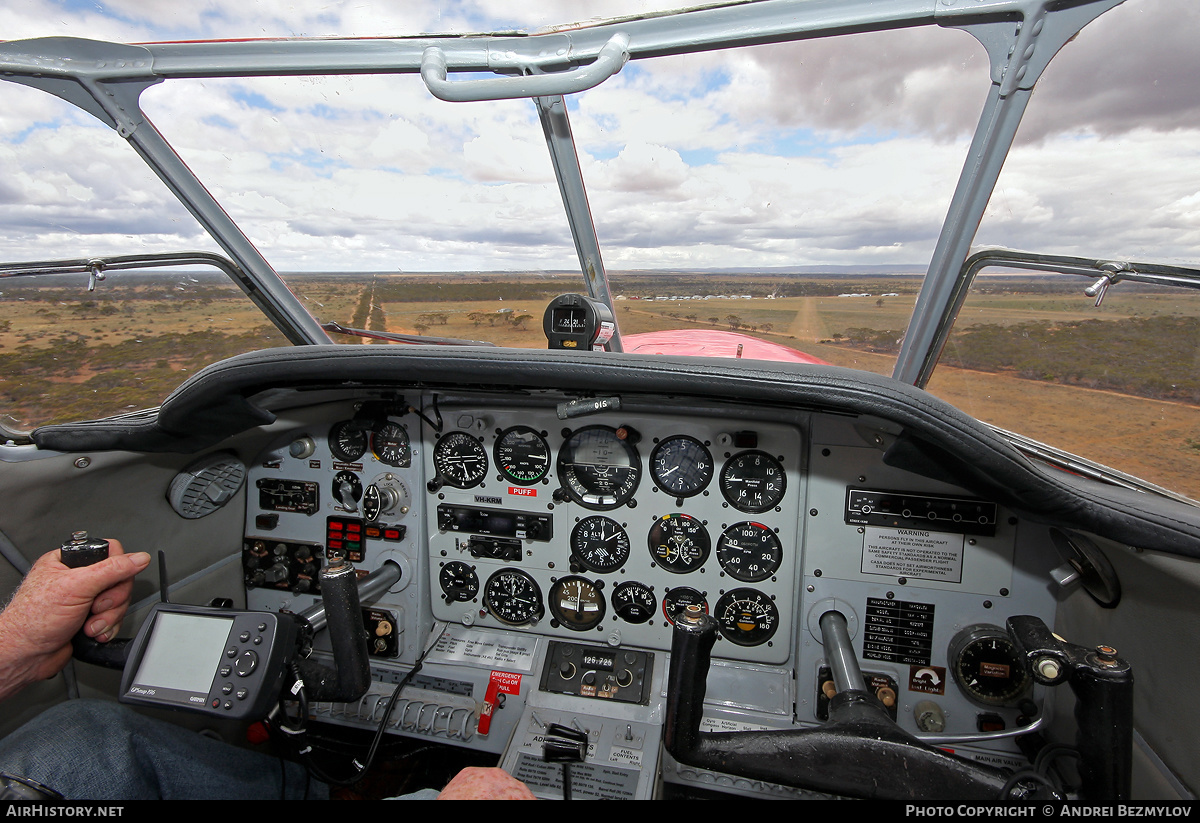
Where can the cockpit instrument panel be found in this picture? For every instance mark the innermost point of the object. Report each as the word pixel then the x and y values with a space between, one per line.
pixel 521 532
pixel 627 508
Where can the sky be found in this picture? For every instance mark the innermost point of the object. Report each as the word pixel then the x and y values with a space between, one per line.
pixel 838 152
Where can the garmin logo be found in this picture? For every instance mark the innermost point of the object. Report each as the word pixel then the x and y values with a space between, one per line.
pixel 483 498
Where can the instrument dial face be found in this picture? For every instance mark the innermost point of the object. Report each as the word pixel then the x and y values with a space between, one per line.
pixel 389 444
pixel 678 599
pixel 600 544
pixel 749 552
pixel 746 617
pixel 679 543
pixel 598 469
pixel 633 601
pixel 458 581
pixel 987 666
pixel 577 603
pixel 460 460
pixel 753 482
pixel 681 466
pixel 513 597
pixel 522 455
pixel 347 441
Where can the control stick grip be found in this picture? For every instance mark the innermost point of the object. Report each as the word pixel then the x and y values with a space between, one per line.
pixel 76 553
pixel 82 551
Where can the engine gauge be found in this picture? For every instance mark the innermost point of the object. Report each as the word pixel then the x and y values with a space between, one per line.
pixel 679 543
pixel 753 482
pixel 389 444
pixel 987 666
pixel 347 441
pixel 600 544
pixel 598 469
pixel 678 599
pixel 522 455
pixel 577 603
pixel 513 597
pixel 681 466
pixel 460 460
pixel 633 602
pixel 749 552
pixel 458 581
pixel 746 617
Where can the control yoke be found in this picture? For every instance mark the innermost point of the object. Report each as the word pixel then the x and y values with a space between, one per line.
pixel 862 752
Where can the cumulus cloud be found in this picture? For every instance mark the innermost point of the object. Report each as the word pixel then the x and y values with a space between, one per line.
pixel 837 151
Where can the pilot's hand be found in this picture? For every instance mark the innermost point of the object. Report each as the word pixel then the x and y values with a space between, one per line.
pixel 51 605
pixel 476 783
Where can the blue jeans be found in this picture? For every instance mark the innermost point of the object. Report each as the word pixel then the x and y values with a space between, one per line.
pixel 97 750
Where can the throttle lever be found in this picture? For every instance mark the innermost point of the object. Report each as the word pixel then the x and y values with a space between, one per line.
pixel 75 553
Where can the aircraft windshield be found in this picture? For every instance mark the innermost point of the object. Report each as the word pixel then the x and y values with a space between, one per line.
pixel 790 192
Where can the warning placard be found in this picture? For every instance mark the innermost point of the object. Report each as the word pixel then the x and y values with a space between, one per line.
pixel 913 553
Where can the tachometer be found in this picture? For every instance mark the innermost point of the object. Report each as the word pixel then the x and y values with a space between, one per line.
pixel 746 617
pixel 681 466
pixel 389 444
pixel 598 469
pixel 749 552
pixel 600 544
pixel 679 543
pixel 753 482
pixel 460 460
pixel 522 455
pixel 576 603
pixel 513 597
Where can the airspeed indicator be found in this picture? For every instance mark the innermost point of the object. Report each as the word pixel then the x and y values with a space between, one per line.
pixel 522 455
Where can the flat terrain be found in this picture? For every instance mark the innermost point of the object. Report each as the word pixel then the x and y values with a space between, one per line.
pixel 68 354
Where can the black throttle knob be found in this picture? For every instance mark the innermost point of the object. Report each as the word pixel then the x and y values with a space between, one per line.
pixel 81 551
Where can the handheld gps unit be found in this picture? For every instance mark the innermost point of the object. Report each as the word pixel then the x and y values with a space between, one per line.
pixel 224 662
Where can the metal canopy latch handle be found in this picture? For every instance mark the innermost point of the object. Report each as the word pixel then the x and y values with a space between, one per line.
pixel 612 57
pixel 95 273
pixel 1112 274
